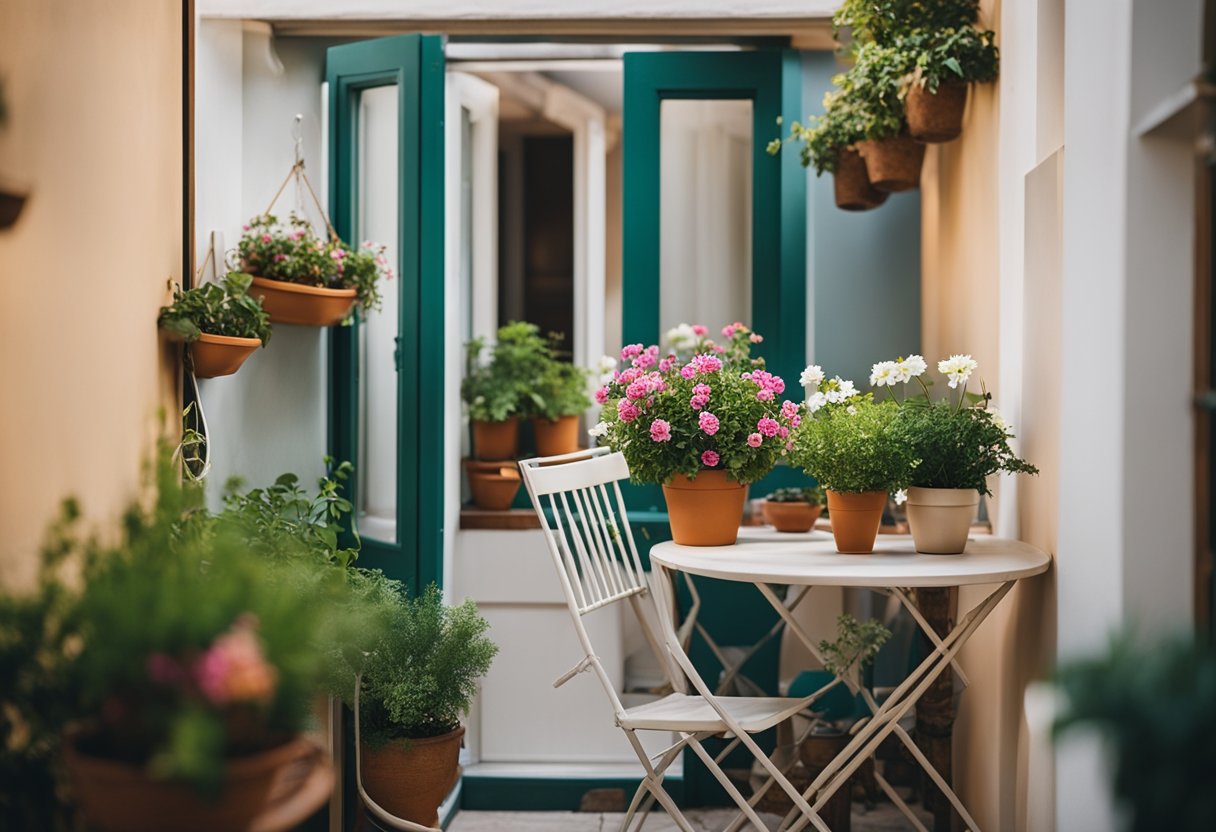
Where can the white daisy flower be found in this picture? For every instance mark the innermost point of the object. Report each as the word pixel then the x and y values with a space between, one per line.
pixel 812 376
pixel 883 374
pixel 681 335
pixel 901 497
pixel 840 390
pixel 957 368
pixel 909 368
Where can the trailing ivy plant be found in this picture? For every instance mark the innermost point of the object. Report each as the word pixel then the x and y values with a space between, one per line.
pixel 224 308
pixel 855 645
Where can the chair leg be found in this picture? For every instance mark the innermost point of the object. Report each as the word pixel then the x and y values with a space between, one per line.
pixel 653 783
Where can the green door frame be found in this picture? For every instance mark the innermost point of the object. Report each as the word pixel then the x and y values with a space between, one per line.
pixel 415 64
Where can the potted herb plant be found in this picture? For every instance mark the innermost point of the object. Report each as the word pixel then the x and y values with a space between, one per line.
pixel 560 397
pixel 303 279
pixel 960 442
pixel 414 685
pixel 947 62
pixel 704 428
pixel 850 446
pixel 220 321
pixel 794 509
pixel 875 83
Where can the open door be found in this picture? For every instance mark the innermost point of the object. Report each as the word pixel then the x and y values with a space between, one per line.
pixel 386 138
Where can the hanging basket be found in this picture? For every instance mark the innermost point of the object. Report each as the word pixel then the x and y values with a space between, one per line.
pixel 936 117
pixel 220 355
pixel 852 184
pixel 296 303
pixel 894 163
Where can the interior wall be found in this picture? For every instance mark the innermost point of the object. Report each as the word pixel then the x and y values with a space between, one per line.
pixel 270 417
pixel 95 109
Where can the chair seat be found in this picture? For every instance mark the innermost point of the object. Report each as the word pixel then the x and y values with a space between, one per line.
pixel 684 712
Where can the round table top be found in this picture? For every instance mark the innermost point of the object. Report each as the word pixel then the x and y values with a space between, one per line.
pixel 763 555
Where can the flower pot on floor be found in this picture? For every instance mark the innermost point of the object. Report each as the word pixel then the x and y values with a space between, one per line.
pixel 855 520
pixel 706 511
pixel 410 778
pixel 496 440
pixel 492 484
pixel 791 517
pixel 295 303
pixel 272 790
pixel 893 164
pixel 555 437
pixel 220 355
pixel 852 185
pixel 936 117
pixel 940 518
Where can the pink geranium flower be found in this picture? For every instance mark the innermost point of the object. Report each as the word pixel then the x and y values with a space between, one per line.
pixel 710 458
pixel 700 330
pixel 754 440
pixel 708 423
pixel 660 430
pixel 698 402
pixel 627 410
pixel 601 395
pixel 728 331
pixel 768 427
pixel 788 409
pixel 637 391
pixel 667 363
pixel 688 371
pixel 631 351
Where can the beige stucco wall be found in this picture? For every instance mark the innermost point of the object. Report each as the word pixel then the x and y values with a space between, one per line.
pixel 962 278
pixel 95 106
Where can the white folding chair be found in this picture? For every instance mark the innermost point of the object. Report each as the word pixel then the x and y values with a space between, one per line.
pixel 578 500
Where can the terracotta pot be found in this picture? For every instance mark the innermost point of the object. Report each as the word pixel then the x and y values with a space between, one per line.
pixel 852 184
pixel 940 518
pixel 893 164
pixel 295 303
pixel 274 790
pixel 493 484
pixel 496 440
pixel 411 778
pixel 556 437
pixel 936 117
pixel 706 511
pixel 855 520
pixel 220 355
pixel 791 517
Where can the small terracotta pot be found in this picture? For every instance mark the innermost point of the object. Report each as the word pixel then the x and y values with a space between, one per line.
pixel 791 517
pixel 893 164
pixel 493 484
pixel 496 440
pixel 411 778
pixel 706 511
pixel 556 437
pixel 272 790
pixel 220 355
pixel 855 520
pixel 852 184
pixel 936 117
pixel 940 518
pixel 295 303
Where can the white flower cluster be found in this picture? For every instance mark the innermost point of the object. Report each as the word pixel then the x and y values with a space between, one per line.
pixel 820 392
pixel 900 371
pixel 681 336
pixel 812 376
pixel 600 429
pixel 606 368
pixel 957 368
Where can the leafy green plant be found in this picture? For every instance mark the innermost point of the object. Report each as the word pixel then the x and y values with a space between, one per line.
pixel 295 254
pixel 217 309
pixel 811 494
pixel 855 645
pixel 964 54
pixel 560 391
pixel 874 86
pixel 824 137
pixel 853 445
pixel 421 675
pixel 524 376
pixel 884 21
pixel 1155 707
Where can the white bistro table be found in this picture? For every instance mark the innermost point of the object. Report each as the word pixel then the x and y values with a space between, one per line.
pixel 802 561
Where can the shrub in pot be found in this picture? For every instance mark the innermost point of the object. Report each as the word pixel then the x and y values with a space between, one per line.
pixel 875 85
pixel 947 61
pixel 559 397
pixel 704 428
pixel 497 390
pixel 960 442
pixel 848 443
pixel 794 509
pixel 415 683
pixel 303 279
pixel 220 321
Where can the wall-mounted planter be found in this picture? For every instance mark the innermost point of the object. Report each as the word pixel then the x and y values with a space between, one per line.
pixel 220 355
pixel 295 303
pixel 894 163
pixel 852 184
pixel 936 117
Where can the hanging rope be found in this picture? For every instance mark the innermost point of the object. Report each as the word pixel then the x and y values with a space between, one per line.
pixel 302 183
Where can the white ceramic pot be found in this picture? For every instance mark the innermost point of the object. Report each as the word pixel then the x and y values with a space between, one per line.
pixel 940 518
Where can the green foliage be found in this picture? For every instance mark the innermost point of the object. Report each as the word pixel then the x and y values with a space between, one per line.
pixel 823 138
pixel 295 254
pixel 1155 706
pixel 524 376
pixel 959 447
pixel 856 644
pixel 885 21
pixel 874 88
pixel 560 391
pixel 941 55
pixel 855 446
pixel 811 494
pixel 421 675
pixel 217 309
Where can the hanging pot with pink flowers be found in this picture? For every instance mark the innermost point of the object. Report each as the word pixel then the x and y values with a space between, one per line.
pixel 704 420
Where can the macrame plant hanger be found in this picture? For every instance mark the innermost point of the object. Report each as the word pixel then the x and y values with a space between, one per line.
pixel 194 450
pixel 303 185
